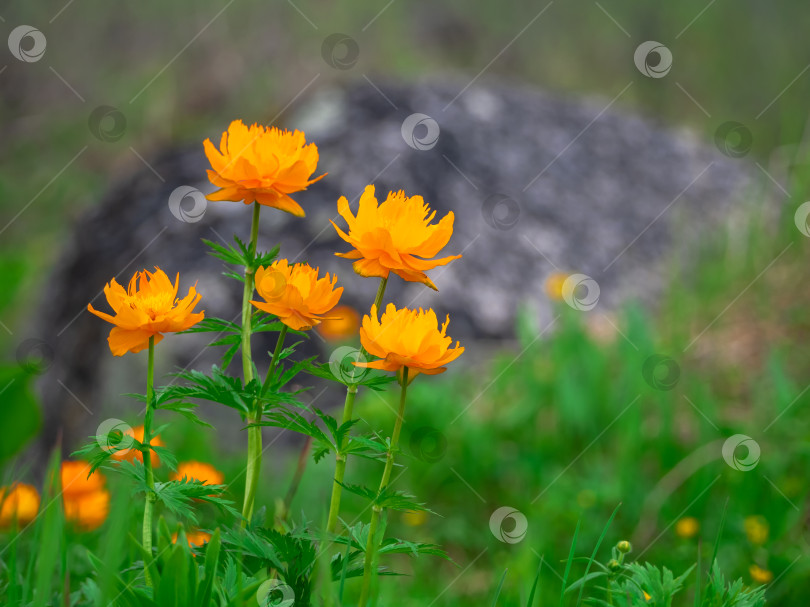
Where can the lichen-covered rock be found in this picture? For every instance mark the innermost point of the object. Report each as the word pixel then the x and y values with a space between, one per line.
pixel 538 184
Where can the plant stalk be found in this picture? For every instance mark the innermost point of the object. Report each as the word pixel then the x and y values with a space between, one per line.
pixel 376 510
pixel 151 497
pixel 254 432
pixel 340 457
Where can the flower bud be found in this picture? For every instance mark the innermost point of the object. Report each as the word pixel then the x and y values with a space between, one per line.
pixel 614 565
pixel 624 547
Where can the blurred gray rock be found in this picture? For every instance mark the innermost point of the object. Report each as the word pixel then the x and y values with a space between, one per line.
pixel 538 184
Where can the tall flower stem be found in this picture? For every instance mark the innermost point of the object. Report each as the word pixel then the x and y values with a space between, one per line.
pixel 340 456
pixel 376 510
pixel 151 497
pixel 254 432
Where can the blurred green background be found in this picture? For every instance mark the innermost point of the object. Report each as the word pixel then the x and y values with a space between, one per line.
pixel 180 70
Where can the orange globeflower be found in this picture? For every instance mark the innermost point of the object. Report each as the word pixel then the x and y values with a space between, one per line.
pixel 86 501
pixel 20 502
pixel 261 164
pixel 194 538
pixel 343 326
pixel 295 294
pixel 148 308
pixel 198 471
pixel 133 452
pixel 395 236
pixel 407 338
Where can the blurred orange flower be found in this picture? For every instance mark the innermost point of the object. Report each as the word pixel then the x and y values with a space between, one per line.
pixel 20 502
pixel 407 338
pixel 756 529
pixel 133 452
pixel 86 501
pixel 295 294
pixel 395 236
pixel 687 527
pixel 148 308
pixel 342 326
pixel 198 471
pixel 194 538
pixel 261 164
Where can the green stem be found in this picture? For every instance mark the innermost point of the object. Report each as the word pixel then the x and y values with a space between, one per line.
pixel 254 432
pixel 279 344
pixel 340 456
pixel 376 510
pixel 151 497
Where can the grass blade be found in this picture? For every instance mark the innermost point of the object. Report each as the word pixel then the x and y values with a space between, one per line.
pixel 498 591
pixel 595 550
pixel 534 585
pixel 568 564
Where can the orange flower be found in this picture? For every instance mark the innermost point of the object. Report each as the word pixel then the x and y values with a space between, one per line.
pixel 85 499
pixel 395 236
pixel 407 338
pixel 133 452
pixel 198 471
pixel 20 503
pixel 687 527
pixel 759 574
pixel 89 510
pixel 148 308
pixel 343 326
pixel 75 479
pixel 295 294
pixel 261 164
pixel 194 538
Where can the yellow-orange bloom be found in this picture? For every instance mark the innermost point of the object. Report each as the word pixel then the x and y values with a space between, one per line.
pixel 134 453
pixel 760 575
pixel 343 326
pixel 395 236
pixel 20 503
pixel 756 529
pixel 194 538
pixel 261 164
pixel 148 308
pixel 407 338
pixel 86 501
pixel 687 527
pixel 88 511
pixel 295 294
pixel 198 471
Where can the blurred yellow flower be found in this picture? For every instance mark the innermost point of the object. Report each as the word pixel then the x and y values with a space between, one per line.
pixel 77 480
pixel 760 575
pixel 687 527
pixel 342 326
pixel 647 597
pixel 407 338
pixel 198 471
pixel 261 164
pixel 148 308
pixel 296 294
pixel 395 236
pixel 756 529
pixel 414 518
pixel 20 502
pixel 554 285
